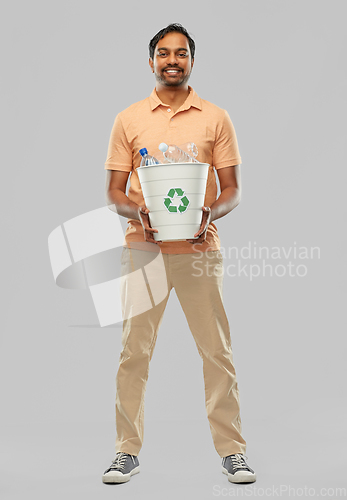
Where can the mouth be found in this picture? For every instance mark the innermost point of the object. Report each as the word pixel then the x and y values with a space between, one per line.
pixel 172 72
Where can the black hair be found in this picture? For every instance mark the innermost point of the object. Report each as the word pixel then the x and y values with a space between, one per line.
pixel 170 28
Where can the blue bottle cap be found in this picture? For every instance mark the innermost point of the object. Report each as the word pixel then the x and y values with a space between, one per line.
pixel 143 151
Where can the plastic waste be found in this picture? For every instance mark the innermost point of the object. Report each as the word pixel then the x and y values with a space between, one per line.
pixel 147 159
pixel 190 148
pixel 174 154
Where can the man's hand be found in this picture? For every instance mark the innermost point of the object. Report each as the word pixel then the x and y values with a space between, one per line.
pixel 201 234
pixel 148 230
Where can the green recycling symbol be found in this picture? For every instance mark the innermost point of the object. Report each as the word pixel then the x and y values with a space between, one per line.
pixel 169 199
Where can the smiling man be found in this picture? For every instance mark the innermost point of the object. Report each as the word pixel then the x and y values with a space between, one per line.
pixel 172 65
pixel 175 114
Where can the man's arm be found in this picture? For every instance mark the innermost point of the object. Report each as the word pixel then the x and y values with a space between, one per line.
pixel 229 198
pixel 118 201
pixel 116 198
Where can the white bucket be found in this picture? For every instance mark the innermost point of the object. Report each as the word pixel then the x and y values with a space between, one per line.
pixel 174 194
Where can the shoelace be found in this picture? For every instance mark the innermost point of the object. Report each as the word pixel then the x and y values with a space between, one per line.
pixel 238 461
pixel 119 461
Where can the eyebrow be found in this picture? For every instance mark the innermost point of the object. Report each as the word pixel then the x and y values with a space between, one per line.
pixel 180 49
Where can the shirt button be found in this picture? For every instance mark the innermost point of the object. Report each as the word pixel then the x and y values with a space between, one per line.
pixel 168 110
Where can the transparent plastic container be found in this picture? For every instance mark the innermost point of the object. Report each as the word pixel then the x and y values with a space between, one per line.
pixel 190 148
pixel 147 159
pixel 174 154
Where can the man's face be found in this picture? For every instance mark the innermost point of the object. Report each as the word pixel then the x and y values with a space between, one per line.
pixel 172 62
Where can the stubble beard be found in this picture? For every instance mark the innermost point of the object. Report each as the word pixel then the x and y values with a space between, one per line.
pixel 167 83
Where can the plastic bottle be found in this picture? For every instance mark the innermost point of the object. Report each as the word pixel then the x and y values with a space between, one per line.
pixel 147 159
pixel 190 148
pixel 174 154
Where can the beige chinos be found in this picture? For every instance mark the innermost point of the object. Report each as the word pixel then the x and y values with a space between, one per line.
pixel 197 280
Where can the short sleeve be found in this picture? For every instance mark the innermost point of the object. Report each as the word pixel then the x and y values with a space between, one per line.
pixel 119 154
pixel 226 151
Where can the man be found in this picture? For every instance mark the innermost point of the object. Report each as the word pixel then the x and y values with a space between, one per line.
pixel 175 114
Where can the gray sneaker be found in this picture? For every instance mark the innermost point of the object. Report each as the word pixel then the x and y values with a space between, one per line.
pixel 122 467
pixel 237 470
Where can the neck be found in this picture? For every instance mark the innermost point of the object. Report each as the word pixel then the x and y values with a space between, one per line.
pixel 175 97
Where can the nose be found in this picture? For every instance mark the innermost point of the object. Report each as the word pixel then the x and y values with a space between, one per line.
pixel 172 59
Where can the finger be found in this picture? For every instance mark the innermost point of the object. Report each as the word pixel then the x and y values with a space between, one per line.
pixel 200 232
pixel 195 241
pixel 150 238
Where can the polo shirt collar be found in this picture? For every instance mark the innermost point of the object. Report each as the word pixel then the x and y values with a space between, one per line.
pixel 192 100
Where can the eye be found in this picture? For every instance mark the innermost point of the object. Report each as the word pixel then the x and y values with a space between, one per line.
pixel 183 54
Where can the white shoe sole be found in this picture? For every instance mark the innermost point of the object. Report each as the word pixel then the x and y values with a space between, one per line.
pixel 240 476
pixel 118 477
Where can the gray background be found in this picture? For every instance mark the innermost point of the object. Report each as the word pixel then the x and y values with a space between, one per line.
pixel 278 68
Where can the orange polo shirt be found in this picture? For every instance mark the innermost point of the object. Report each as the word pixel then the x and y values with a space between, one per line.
pixel 147 123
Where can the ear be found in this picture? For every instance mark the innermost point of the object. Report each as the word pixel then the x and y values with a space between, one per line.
pixel 192 63
pixel 151 64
